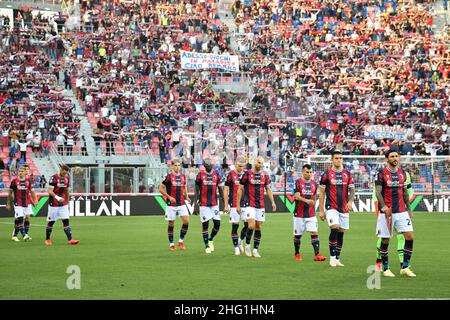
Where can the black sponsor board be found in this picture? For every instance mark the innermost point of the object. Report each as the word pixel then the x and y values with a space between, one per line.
pixel 90 205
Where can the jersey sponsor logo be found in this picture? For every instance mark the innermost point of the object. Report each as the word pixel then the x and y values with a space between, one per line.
pixel 209 182
pixel 338 182
pixel 61 185
pixel 308 192
pixel 394 183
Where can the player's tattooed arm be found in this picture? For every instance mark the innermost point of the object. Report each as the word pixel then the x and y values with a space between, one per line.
pixel 10 200
pixel 222 196
pixel 381 202
pixel 196 196
pixel 162 190
pixel 351 197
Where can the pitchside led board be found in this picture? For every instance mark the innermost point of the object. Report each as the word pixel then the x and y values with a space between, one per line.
pixel 91 205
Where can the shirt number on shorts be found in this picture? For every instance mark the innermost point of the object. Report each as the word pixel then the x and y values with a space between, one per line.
pixel 409 221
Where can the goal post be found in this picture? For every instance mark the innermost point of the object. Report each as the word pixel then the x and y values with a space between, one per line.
pixel 430 178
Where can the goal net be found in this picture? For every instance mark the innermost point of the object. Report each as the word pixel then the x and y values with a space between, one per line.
pixel 429 178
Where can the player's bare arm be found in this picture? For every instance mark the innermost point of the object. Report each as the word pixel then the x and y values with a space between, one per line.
pixel 196 196
pixel 67 194
pixel 186 195
pixel 162 190
pixel 221 193
pixel 10 200
pixel 298 197
pixel 381 202
pixel 322 203
pixel 407 202
pixel 270 195
pixel 226 191
pixel 351 198
pixel 239 197
pixel 54 195
pixel 34 197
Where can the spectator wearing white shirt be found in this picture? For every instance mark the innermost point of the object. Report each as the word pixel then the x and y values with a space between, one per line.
pixel 23 149
pixel 60 141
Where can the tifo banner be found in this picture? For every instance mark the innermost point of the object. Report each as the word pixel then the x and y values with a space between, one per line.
pixel 381 132
pixel 196 61
pixel 91 205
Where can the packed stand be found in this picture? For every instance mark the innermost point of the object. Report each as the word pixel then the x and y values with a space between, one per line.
pixel 362 76
pixel 126 69
pixel 33 107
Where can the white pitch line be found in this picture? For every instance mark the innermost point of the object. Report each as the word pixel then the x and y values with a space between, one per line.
pixel 419 299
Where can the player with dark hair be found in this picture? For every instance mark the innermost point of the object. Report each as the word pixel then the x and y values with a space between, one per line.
pixel 174 189
pixel 305 219
pixel 400 236
pixel 230 191
pixel 395 211
pixel 22 195
pixel 58 205
pixel 253 183
pixel 337 184
pixel 207 183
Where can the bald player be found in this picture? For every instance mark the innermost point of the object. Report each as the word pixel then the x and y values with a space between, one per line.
pixel 230 191
pixel 207 184
pixel 253 183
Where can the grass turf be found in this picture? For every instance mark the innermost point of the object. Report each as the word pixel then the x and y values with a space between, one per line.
pixel 129 258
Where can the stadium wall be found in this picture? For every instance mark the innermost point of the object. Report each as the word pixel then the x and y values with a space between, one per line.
pixel 86 205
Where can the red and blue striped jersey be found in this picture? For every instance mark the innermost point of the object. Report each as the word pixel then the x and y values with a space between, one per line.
pixel 60 186
pixel 208 183
pixel 234 182
pixel 175 187
pixel 336 184
pixel 254 184
pixel 22 192
pixel 307 190
pixel 393 186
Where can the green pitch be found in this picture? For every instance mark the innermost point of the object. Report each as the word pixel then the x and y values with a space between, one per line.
pixel 129 258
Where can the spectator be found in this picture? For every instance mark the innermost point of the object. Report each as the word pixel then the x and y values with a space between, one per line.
pixel 23 145
pixel 60 141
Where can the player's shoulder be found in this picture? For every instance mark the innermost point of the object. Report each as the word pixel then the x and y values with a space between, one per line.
pixel 347 172
pixel 380 170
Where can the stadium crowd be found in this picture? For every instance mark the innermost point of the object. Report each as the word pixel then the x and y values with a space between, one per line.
pixel 361 65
